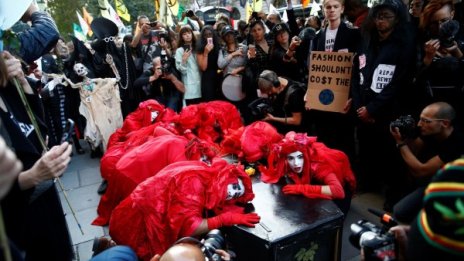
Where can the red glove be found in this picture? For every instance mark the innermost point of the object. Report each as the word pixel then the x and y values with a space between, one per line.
pixel 230 219
pixel 309 191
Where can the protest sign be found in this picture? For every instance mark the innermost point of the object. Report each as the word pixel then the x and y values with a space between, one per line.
pixel 329 80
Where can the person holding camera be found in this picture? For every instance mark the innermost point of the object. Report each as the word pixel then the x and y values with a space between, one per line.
pixel 286 101
pixel 146 41
pixel 283 59
pixel 163 83
pixel 439 142
pixel 439 77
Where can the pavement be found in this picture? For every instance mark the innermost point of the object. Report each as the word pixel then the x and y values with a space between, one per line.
pixel 81 182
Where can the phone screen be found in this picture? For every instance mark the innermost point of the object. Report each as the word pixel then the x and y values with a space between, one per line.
pixel 186 48
pixel 210 40
pixel 67 132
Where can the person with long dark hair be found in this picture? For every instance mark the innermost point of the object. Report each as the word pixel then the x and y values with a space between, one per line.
pixel 207 57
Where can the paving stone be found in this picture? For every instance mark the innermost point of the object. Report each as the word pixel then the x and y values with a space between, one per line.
pixel 84 250
pixel 85 218
pixel 81 198
pixel 70 180
pixel 89 176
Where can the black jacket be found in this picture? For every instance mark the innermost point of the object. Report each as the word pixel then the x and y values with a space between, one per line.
pixel 347 38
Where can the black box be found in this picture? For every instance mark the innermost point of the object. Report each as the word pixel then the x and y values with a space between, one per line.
pixel 291 228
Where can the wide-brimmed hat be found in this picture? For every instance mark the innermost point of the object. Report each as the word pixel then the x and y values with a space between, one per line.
pixel 438 231
pixel 10 12
pixel 103 28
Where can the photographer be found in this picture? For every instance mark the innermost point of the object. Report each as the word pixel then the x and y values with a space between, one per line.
pixel 148 43
pixel 437 144
pixel 287 101
pixel 433 233
pixel 162 83
pixel 439 76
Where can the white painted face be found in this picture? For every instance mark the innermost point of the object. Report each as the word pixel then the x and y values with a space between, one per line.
pixel 295 161
pixel 154 115
pixel 235 190
pixel 80 69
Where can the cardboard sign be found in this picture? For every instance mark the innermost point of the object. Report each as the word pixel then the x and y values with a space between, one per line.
pixel 329 80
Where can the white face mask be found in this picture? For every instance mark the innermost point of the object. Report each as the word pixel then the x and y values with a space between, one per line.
pixel 296 161
pixel 235 190
pixel 80 69
pixel 154 115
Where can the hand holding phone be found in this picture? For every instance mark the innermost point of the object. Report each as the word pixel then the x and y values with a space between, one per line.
pixel 210 40
pixel 67 132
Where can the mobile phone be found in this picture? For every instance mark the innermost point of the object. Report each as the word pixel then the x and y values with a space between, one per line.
pixel 186 47
pixel 210 40
pixel 67 132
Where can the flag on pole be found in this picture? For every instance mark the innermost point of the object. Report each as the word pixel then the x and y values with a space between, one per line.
pixel 88 19
pixel 272 9
pixel 115 17
pixel 104 8
pixel 257 5
pixel 305 3
pixel 248 11
pixel 84 26
pixel 122 10
pixel 78 32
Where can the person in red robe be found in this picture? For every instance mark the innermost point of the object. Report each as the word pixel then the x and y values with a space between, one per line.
pixel 175 204
pixel 304 162
pixel 143 162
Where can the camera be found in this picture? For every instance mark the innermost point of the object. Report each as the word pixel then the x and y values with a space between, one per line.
pixel 213 240
pixel 376 241
pixel 165 63
pixel 406 125
pixel 189 13
pixel 260 107
pixel 153 24
pixel 447 32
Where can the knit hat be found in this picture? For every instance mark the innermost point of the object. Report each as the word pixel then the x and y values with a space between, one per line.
pixel 438 231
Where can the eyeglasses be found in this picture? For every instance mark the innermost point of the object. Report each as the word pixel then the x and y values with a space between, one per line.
pixel 382 17
pixel 439 22
pixel 109 39
pixel 427 121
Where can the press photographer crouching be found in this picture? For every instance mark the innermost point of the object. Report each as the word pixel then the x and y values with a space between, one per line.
pixel 285 97
pixel 434 233
pixel 162 83
pixel 438 143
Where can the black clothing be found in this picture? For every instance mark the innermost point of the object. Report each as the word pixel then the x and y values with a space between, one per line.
pixel 448 150
pixel 34 219
pixel 289 101
pixel 285 69
pixel 162 90
pixel 210 78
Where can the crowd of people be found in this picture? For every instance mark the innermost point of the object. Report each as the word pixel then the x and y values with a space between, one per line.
pixel 165 105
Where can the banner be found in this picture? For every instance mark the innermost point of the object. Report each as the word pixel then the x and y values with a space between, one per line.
pixel 78 32
pixel 104 10
pixel 88 19
pixel 122 10
pixel 329 80
pixel 84 26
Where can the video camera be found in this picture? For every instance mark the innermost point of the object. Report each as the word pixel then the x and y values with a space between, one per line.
pixel 406 125
pixel 377 242
pixel 213 241
pixel 260 107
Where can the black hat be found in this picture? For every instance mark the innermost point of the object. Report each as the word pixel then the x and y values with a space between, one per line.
pixel 103 28
pixel 279 28
pixel 397 6
pixel 227 29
